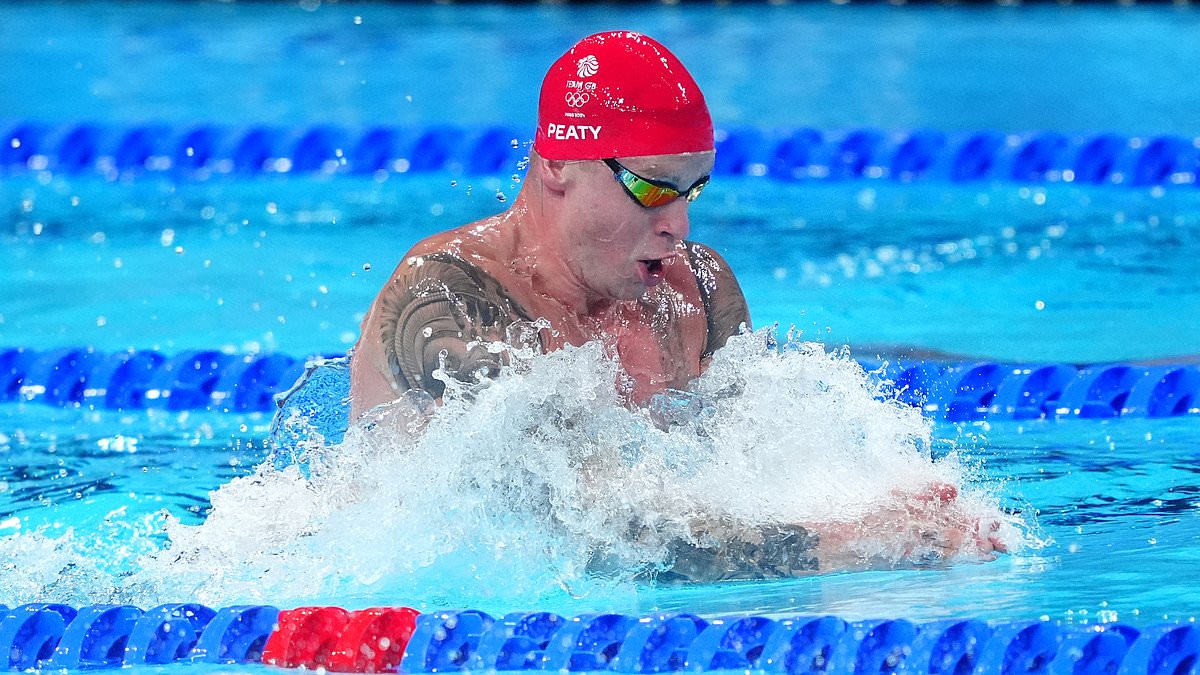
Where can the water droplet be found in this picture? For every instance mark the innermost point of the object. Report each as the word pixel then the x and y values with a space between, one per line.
pixel 500 197
pixel 516 143
pixel 366 267
pixel 453 183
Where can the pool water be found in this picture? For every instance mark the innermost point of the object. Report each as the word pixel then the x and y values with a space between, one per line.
pixel 1051 272
pixel 826 66
pixel 1107 509
pixel 1114 503
pixel 1094 492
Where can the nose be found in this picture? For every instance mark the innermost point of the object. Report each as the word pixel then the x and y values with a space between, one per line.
pixel 672 220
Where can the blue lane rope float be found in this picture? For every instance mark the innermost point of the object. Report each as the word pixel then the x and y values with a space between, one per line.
pixel 390 639
pixel 108 636
pixel 202 150
pixel 213 380
pixel 132 380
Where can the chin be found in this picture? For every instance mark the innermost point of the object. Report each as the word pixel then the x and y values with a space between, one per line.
pixel 643 295
pixel 636 291
pixel 624 290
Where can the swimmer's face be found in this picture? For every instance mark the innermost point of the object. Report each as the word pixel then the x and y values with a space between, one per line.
pixel 616 247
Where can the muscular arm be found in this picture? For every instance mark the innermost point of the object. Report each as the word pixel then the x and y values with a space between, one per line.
pixel 766 552
pixel 723 300
pixel 437 311
pixel 913 529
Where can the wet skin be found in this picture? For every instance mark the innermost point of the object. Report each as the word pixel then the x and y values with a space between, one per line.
pixel 575 251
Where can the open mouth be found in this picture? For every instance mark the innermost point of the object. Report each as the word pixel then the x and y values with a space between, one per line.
pixel 653 265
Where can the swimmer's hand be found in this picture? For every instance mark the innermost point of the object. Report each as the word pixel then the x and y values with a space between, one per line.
pixel 914 530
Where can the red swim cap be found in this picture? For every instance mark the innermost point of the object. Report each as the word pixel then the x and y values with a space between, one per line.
pixel 620 94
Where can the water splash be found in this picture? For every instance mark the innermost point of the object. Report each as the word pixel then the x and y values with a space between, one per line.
pixel 541 486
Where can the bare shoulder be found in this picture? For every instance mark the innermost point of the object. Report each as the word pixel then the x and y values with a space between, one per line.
pixel 724 302
pixel 439 310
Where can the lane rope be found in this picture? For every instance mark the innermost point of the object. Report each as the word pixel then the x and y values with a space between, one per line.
pixel 201 151
pixel 387 639
pixel 201 379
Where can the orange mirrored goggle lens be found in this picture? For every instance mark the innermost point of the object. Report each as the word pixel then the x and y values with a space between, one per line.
pixel 651 193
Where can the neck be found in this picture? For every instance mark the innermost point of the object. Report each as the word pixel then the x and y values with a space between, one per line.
pixel 538 244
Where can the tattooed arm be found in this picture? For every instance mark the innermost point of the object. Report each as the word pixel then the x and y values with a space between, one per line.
pixel 766 552
pixel 437 311
pixel 908 530
pixel 724 304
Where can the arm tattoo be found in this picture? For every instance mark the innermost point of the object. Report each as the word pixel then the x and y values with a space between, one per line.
pixel 439 313
pixel 724 304
pixel 767 552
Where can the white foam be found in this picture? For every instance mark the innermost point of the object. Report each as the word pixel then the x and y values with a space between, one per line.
pixel 517 488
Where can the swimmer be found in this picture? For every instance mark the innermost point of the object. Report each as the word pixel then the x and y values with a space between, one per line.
pixel 594 243
pixel 595 248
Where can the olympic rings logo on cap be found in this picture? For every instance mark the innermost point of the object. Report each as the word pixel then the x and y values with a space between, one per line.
pixel 576 99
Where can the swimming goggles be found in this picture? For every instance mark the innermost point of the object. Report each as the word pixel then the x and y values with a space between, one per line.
pixel 649 192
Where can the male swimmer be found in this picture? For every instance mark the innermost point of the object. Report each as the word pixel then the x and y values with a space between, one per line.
pixel 594 248
pixel 593 243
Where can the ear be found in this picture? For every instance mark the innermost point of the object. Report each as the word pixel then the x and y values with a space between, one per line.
pixel 553 173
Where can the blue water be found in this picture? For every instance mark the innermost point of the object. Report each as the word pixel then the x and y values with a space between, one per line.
pixel 1070 69
pixel 1003 272
pixel 289 264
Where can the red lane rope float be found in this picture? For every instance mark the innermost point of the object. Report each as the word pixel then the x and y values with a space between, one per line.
pixel 304 637
pixel 374 640
pixel 366 641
